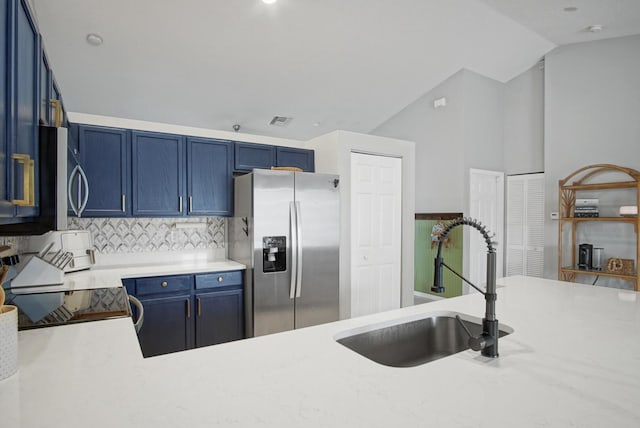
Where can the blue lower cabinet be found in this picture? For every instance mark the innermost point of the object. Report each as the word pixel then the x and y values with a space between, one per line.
pixel 186 311
pixel 167 326
pixel 219 317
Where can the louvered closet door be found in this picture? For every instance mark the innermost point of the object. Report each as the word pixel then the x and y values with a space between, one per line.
pixel 515 225
pixel 525 225
pixel 534 220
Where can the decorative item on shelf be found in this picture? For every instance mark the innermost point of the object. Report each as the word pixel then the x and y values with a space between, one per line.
pixel 436 231
pixel 585 256
pixel 629 211
pixel 597 258
pixel 585 208
pixel 620 266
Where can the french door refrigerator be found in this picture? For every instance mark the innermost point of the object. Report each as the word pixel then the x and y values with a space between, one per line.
pixel 286 230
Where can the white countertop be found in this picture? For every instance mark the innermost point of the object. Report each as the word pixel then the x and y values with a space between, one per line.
pixel 573 360
pixel 99 277
pixel 110 275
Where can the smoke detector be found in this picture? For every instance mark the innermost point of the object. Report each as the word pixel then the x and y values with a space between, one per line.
pixel 280 121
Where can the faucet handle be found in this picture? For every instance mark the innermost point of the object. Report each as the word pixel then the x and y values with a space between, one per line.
pixel 477 343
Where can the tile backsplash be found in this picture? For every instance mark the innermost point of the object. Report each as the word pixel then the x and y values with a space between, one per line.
pixel 131 235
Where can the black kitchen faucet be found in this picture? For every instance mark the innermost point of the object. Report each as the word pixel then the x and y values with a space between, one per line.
pixel 487 341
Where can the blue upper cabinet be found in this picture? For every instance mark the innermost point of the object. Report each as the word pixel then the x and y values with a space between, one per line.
pixel 209 176
pixel 6 207
pixel 249 156
pixel 158 174
pixel 26 103
pixel 299 158
pixel 104 155
pixel 45 115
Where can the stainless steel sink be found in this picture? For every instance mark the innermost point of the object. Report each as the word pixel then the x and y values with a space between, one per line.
pixel 411 342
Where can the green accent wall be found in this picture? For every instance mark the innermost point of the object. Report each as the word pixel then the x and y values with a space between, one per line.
pixel 424 256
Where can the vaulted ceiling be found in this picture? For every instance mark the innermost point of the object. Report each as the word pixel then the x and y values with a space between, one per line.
pixel 329 64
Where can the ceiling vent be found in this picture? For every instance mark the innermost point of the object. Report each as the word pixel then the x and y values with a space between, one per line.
pixel 280 121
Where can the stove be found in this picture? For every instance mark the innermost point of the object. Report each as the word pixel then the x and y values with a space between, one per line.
pixel 50 309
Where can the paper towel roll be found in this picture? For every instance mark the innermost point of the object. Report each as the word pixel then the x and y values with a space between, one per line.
pixel 8 341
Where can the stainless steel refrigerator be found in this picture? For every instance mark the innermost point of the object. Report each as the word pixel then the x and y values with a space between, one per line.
pixel 286 230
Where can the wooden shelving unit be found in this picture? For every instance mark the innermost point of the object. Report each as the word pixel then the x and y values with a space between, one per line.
pixel 581 180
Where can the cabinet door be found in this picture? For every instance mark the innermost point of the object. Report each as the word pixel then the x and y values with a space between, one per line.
pixel 167 325
pixel 26 105
pixel 45 88
pixel 104 157
pixel 300 158
pixel 219 317
pixel 210 176
pixel 249 156
pixel 6 207
pixel 158 174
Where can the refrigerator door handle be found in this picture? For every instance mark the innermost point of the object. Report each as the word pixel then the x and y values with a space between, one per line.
pixel 294 250
pixel 299 257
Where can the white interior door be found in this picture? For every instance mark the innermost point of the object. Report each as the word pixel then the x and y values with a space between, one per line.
pixel 376 230
pixel 486 205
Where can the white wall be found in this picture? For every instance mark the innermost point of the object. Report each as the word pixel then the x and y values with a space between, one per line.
pixel 467 133
pixel 592 116
pixel 333 156
pixel 524 122
pixel 118 122
pixel 438 135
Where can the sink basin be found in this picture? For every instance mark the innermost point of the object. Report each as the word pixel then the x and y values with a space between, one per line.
pixel 411 342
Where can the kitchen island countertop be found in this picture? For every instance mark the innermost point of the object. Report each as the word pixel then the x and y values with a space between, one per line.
pixel 572 360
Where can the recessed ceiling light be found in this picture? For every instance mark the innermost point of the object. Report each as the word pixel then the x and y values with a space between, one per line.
pixel 570 9
pixel 269 1
pixel 94 39
pixel 595 28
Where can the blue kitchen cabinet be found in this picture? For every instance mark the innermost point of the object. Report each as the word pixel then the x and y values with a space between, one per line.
pixel 46 118
pixel 167 325
pixel 6 207
pixel 104 155
pixel 168 322
pixel 186 311
pixel 219 317
pixel 158 174
pixel 209 177
pixel 300 158
pixel 25 107
pixel 249 156
pixel 57 95
pixel 219 307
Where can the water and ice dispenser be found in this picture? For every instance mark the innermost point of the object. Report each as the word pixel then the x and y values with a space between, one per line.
pixel 274 253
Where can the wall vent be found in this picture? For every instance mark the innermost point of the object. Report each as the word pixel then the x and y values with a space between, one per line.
pixel 280 121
